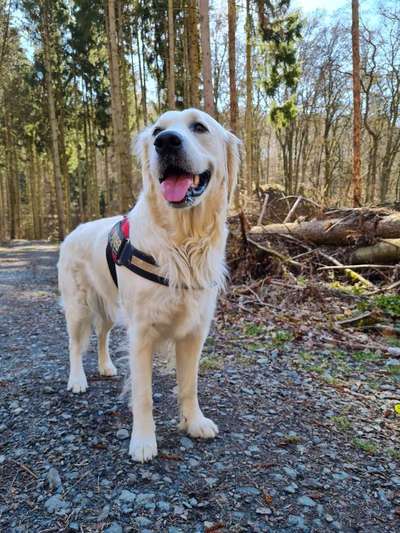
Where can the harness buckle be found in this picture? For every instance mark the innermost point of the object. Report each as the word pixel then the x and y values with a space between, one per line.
pixel 124 254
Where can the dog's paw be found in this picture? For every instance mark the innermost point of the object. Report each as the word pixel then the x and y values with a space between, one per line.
pixel 77 383
pixel 143 449
pixel 200 427
pixel 108 370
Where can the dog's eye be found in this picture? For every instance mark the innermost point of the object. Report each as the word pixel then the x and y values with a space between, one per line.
pixel 157 131
pixel 198 127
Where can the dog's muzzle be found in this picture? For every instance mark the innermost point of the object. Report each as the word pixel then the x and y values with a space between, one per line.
pixel 180 186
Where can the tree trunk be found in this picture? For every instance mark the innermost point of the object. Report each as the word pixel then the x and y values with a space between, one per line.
pixel 171 55
pixel 135 95
pixel 206 57
pixel 108 196
pixel 121 149
pixel 385 251
pixel 233 99
pixel 249 104
pixel 58 179
pixel 338 231
pixel 64 166
pixel 355 37
pixel 11 180
pixel 144 86
pixel 3 207
pixel 193 53
pixel 34 196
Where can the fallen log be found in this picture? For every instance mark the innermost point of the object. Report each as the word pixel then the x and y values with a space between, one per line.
pixel 358 227
pixel 385 251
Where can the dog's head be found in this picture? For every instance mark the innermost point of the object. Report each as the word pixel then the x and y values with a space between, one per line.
pixel 186 156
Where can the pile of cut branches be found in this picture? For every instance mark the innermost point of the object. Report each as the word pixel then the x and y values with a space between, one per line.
pixel 361 245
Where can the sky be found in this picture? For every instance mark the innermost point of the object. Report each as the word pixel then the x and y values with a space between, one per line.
pixel 312 5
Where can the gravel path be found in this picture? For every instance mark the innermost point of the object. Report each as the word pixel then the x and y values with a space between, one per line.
pixel 308 439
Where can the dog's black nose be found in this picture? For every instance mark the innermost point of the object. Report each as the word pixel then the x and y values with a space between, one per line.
pixel 168 141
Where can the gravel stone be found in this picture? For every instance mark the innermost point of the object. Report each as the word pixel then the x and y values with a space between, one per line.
pixel 53 477
pixel 142 521
pixel 114 528
pixel 55 504
pixel 248 491
pixel 340 476
pixel 127 496
pixel 291 472
pixel 296 521
pixel 144 499
pixel 122 434
pixel 292 488
pixel 186 443
pixel 306 501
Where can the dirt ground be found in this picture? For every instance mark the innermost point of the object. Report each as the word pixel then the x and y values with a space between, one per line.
pixel 309 436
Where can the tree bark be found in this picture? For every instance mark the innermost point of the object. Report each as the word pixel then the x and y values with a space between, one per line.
pixel 249 104
pixel 340 232
pixel 355 34
pixel 121 148
pixel 58 179
pixel 193 54
pixel 34 196
pixel 206 57
pixel 171 55
pixel 383 252
pixel 233 98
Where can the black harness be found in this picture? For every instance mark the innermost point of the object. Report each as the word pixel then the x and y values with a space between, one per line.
pixel 121 252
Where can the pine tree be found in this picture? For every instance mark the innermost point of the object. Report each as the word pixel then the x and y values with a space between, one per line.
pixel 280 30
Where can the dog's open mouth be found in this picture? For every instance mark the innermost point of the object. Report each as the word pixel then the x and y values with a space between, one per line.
pixel 180 187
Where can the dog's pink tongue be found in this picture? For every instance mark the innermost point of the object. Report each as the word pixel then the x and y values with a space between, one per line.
pixel 174 188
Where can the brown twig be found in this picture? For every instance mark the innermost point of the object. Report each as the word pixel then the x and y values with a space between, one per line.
pixel 293 209
pixel 77 482
pixel 353 275
pixel 24 467
pixel 337 267
pixel 264 206
pixel 387 288
pixel 271 251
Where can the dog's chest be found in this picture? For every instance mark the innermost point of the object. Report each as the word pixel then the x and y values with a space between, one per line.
pixel 175 315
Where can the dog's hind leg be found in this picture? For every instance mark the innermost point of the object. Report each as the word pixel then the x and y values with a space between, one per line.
pixel 79 327
pixel 188 351
pixel 106 366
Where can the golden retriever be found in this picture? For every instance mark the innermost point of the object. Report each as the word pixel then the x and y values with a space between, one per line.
pixel 189 165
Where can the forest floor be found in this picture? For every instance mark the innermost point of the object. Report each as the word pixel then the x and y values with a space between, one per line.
pixel 309 436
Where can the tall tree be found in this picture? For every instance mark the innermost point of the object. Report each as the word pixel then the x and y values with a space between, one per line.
pixel 206 57
pixel 193 53
pixel 355 39
pixel 233 99
pixel 120 139
pixel 171 55
pixel 248 136
pixel 46 35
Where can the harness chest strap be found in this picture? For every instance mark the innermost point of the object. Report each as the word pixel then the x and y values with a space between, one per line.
pixel 120 251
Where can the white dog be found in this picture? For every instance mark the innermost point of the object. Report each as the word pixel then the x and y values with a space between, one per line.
pixel 189 165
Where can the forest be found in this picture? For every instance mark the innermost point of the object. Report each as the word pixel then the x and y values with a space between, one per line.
pixel 80 78
pixel 301 367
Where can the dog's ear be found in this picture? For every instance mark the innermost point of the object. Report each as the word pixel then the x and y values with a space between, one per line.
pixel 232 162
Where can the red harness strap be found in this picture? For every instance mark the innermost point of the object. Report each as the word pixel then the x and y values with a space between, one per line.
pixel 120 251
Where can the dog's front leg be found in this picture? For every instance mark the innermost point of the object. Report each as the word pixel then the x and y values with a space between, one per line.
pixel 143 445
pixel 188 351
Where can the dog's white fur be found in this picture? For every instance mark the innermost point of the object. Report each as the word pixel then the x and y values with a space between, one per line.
pixel 189 246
